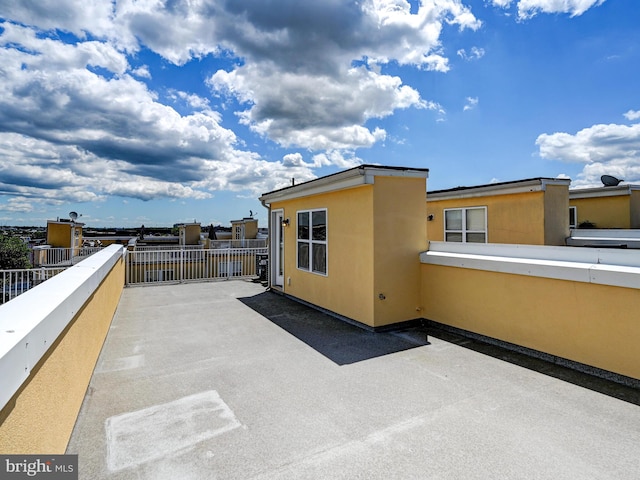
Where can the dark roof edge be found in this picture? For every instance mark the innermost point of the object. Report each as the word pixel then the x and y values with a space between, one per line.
pixel 497 184
pixel 364 166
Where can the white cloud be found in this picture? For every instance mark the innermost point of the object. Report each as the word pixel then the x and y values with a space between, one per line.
pixel 475 53
pixel 530 8
pixel 79 122
pixel 605 149
pixel 287 107
pixel 472 102
pixel 141 72
pixel 69 134
pixel 632 115
pixel 18 205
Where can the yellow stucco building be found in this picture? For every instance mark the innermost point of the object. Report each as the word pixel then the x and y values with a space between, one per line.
pixel 606 207
pixel 244 229
pixel 64 233
pixel 348 242
pixel 492 261
pixel 532 211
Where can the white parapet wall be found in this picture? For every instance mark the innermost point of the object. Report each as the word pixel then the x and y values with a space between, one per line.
pixel 32 322
pixel 604 266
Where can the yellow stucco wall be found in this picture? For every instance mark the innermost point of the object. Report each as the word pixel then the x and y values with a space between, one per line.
pixel 41 415
pixel 59 235
pixel 604 212
pixel 592 324
pixel 399 214
pixel 347 288
pixel 556 215
pixel 635 209
pixel 251 229
pixel 374 235
pixel 511 218
pixel 192 234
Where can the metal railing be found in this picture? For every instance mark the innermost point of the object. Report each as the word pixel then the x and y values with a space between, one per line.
pixel 151 248
pixel 15 282
pixel 43 257
pixel 247 243
pixel 184 265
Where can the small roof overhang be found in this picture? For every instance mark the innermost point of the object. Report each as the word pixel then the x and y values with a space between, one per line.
pixel 354 177
pixel 618 190
pixel 503 188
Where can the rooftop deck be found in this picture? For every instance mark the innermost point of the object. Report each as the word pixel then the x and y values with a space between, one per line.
pixel 226 381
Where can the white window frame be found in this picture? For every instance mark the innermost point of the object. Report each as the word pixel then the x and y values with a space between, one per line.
pixel 575 217
pixel 310 242
pixel 464 230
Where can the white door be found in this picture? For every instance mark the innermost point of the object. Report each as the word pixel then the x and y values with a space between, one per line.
pixel 277 248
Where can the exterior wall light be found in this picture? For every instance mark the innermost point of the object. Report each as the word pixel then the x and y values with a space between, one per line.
pixel 285 222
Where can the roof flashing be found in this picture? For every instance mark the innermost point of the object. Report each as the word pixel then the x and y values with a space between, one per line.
pixel 503 188
pixel 353 177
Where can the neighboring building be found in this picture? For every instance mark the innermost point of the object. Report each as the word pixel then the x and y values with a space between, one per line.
pixel 245 229
pixel 605 207
pixel 64 234
pixel 531 211
pixel 189 233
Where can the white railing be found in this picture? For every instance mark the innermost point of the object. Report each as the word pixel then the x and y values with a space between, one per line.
pixel 184 265
pixel 151 248
pixel 248 243
pixel 53 256
pixel 15 282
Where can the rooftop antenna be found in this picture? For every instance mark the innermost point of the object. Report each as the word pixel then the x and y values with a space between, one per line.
pixel 251 213
pixel 73 216
pixel 609 181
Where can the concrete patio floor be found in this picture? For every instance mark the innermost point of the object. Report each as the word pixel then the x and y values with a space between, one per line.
pixel 227 381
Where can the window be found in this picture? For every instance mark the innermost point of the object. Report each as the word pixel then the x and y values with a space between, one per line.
pixel 312 241
pixel 573 217
pixel 467 225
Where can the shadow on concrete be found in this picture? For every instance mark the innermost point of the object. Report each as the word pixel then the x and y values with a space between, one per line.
pixel 344 343
pixel 544 366
pixel 339 341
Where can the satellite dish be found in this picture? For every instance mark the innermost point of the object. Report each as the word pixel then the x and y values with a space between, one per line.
pixel 73 216
pixel 609 181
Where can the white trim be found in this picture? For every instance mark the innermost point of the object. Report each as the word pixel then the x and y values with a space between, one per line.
pixel 274 255
pixel 620 268
pixel 311 241
pixel 535 185
pixel 354 177
pixel 575 216
pixel 31 322
pixel 464 230
pixel 617 191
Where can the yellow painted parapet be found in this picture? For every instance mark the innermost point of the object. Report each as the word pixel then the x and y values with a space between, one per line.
pixel 62 339
pixel 584 310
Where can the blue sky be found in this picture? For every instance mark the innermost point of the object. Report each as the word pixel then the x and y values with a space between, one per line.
pixel 156 112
